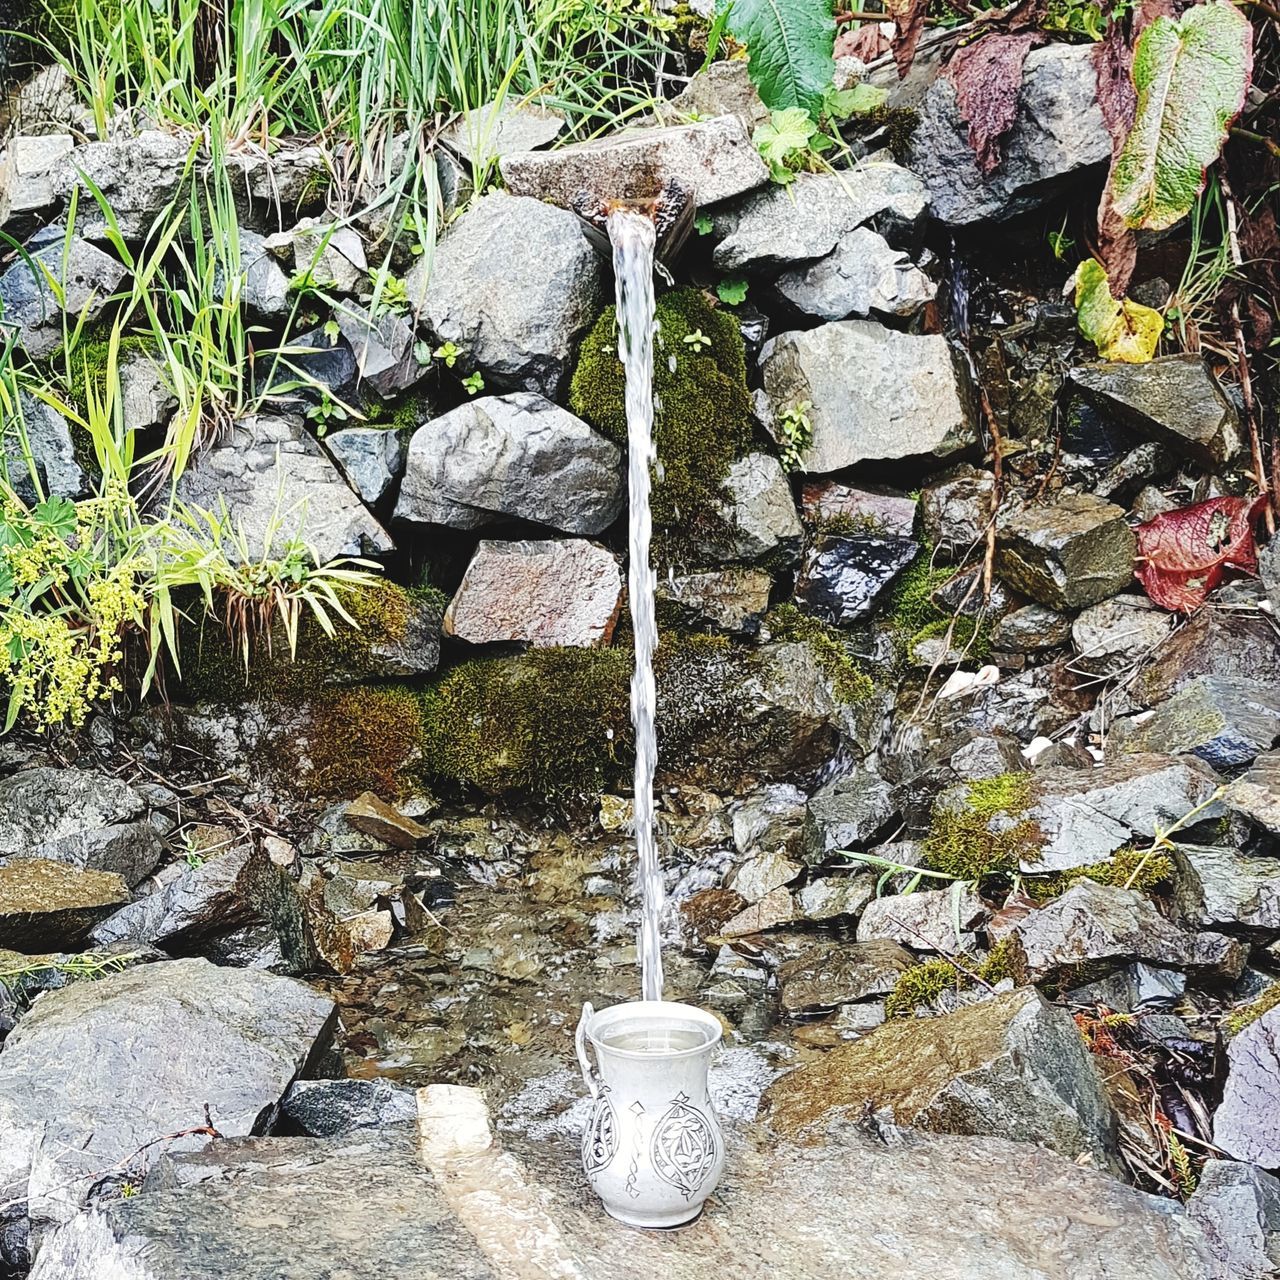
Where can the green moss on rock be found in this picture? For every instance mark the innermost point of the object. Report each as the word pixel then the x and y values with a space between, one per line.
pixel 989 834
pixel 364 739
pixel 1125 869
pixel 1247 1014
pixel 922 985
pixel 553 724
pixel 849 683
pixel 700 383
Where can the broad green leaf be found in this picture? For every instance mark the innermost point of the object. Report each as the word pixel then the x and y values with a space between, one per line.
pixel 859 100
pixel 59 514
pixel 1121 330
pixel 732 291
pixel 783 134
pixel 790 47
pixel 1190 76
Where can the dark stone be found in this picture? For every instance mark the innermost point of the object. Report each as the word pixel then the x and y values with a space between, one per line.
pixel 48 906
pixel 342 1108
pixel 955 510
pixel 851 812
pixel 1221 889
pixel 842 578
pixel 1212 642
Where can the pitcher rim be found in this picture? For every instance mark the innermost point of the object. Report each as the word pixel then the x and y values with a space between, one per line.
pixel 708 1020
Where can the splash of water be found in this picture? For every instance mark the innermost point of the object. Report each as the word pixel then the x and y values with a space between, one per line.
pixel 633 236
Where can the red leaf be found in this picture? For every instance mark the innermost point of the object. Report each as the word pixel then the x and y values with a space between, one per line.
pixel 1183 554
pixel 862 40
pixel 988 79
pixel 908 20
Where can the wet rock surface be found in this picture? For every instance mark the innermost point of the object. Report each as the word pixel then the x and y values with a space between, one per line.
pixel 843 578
pixel 1247 1124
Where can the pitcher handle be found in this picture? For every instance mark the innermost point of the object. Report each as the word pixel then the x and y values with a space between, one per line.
pixel 588 1071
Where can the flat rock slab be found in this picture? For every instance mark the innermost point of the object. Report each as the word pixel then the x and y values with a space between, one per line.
pixel 546 593
pixel 48 906
pixel 268 456
pixel 923 1207
pixel 905 401
pixel 713 160
pixel 1247 1124
pixel 98 1069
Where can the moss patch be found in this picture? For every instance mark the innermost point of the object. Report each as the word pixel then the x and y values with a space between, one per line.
pixel 1247 1014
pixel 553 724
pixel 967 636
pixel 704 419
pixel 1148 873
pixel 922 985
pixel 849 683
pixel 911 606
pixel 989 835
pixel 363 739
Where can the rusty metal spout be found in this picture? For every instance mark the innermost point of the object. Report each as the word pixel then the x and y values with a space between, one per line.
pixel 672 209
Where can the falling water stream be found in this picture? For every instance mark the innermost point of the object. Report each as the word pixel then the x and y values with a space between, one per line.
pixel 633 235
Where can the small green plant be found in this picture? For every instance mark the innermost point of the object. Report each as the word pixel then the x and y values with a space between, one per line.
pixel 697 341
pixel 704 224
pixel 474 383
pixel 326 413
pixel 447 353
pixel 1060 243
pixel 390 294
pixel 795 434
pixel 790 142
pixel 732 291
pixel 988 833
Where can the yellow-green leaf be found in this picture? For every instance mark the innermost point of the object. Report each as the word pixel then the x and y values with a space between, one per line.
pixel 1121 329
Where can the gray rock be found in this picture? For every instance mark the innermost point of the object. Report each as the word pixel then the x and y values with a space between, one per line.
pixel 1225 720
pixel 713 160
pixel 1085 815
pixel 1221 889
pixel 719 89
pixel 383 346
pixel 88 820
pixel 371 459
pixel 48 436
pixel 925 920
pixel 1247 1123
pixel 1136 987
pixel 1066 554
pixel 50 906
pixel 887 514
pixel 1269 572
pixel 1057 131
pixel 264 286
pixel 732 600
pixel 851 812
pixel 1110 637
pixel 1175 401
pixel 1213 642
pixel 158 1049
pixel 516 316
pixel 207 1217
pixel 863 275
pixel 1093 929
pixel 543 593
pixel 363 1201
pixel 1030 629
pixel 29 186
pixel 1237 1206
pixel 28 303
pixel 833 973
pixel 501 128
pixel 905 401
pixel 770 819
pixel 810 217
pixel 1011 1067
pixel 515 456
pixel 329 255
pixel 956 508
pixel 270 190
pixel 264 458
pixel 139 177
pixel 342 1108
pixel 760 876
pixel 1037 703
pixel 1256 794
pixel 843 579
pixel 315 370
pixel 147 400
pixel 192 905
pixel 830 898
pixel 758 512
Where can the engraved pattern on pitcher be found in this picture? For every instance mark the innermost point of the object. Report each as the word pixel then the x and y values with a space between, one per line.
pixel 600 1140
pixel 684 1146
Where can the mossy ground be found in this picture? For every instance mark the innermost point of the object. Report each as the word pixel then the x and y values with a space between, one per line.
pixel 921 985
pixel 703 407
pixel 989 835
pixel 363 738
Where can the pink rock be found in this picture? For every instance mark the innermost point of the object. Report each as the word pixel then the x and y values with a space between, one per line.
pixel 555 592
